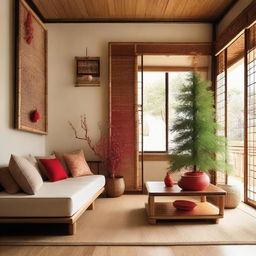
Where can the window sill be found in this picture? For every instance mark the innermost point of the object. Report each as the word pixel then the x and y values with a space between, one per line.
pixel 155 157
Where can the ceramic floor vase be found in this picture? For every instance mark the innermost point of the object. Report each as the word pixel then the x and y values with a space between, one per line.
pixel 115 186
pixel 195 181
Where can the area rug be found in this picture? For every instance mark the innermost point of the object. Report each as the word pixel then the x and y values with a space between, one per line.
pixel 122 221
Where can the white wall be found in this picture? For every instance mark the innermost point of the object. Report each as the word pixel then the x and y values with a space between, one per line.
pixel 67 102
pixel 233 13
pixel 11 141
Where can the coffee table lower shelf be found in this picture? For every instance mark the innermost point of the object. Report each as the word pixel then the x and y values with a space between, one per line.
pixel 166 211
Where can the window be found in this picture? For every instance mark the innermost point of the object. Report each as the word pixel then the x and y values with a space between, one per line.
pixel 235 119
pixel 230 108
pixel 154 111
pixel 160 90
pixel 251 117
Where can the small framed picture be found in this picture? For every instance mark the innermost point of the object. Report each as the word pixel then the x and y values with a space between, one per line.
pixel 87 71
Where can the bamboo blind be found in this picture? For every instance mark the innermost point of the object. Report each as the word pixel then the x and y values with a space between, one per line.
pixel 123 110
pixel 235 51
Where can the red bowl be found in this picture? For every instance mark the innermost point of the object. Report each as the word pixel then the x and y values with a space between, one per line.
pixel 184 205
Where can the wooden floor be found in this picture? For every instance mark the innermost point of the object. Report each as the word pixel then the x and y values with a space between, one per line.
pixel 227 250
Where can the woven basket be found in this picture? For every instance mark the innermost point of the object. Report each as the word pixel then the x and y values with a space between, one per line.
pixel 233 196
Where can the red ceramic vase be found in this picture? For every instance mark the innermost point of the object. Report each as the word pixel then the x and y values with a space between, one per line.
pixel 168 180
pixel 195 181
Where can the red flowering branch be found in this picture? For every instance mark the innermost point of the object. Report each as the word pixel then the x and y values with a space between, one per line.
pixel 107 149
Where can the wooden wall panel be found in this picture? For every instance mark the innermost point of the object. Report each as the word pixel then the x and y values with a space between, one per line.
pixel 31 71
pixel 122 113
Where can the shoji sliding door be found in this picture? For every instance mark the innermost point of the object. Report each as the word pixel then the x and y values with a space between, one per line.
pixel 250 191
pixel 221 104
pixel 236 108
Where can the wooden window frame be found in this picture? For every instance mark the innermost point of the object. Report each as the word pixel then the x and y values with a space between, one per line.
pixel 166 81
pixel 167 91
pixel 135 49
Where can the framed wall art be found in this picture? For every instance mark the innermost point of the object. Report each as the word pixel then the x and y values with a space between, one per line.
pixel 87 71
pixel 31 71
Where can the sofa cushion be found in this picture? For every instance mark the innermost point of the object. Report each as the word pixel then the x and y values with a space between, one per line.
pixel 77 164
pixel 54 169
pixel 7 181
pixel 25 174
pixel 40 167
pixel 55 199
pixel 60 156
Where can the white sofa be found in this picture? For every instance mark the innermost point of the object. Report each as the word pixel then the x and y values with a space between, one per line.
pixel 63 201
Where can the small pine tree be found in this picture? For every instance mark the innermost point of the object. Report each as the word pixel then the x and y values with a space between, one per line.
pixel 196 143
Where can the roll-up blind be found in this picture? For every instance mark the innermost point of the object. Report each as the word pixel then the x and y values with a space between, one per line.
pixel 123 109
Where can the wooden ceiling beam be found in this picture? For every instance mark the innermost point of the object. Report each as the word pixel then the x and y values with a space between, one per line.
pixel 124 21
pixel 229 7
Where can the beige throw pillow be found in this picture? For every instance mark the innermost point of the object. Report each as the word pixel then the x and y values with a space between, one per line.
pixel 7 181
pixel 25 174
pixel 60 156
pixel 77 164
pixel 34 162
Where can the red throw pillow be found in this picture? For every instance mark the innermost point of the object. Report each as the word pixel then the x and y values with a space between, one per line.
pixel 54 169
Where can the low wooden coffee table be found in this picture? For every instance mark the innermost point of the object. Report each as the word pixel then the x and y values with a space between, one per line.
pixel 166 210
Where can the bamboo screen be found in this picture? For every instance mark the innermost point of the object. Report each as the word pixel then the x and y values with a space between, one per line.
pixel 221 103
pixel 123 102
pixel 251 116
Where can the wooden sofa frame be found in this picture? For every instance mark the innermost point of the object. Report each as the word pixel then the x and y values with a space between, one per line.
pixel 71 221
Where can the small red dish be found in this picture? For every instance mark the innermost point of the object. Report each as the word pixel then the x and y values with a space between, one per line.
pixel 184 205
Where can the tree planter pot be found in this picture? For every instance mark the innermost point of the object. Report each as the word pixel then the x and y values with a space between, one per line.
pixel 115 186
pixel 195 181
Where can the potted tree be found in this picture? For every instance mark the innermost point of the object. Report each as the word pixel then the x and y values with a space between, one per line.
pixel 109 150
pixel 197 147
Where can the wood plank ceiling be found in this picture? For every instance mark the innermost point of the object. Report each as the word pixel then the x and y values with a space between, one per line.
pixel 131 10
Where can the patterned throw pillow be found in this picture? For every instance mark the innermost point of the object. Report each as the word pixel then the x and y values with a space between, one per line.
pixel 77 164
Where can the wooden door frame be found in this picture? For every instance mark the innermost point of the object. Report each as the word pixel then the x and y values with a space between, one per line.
pixel 153 48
